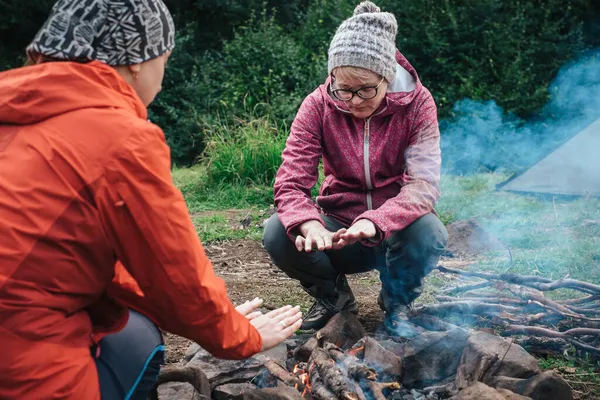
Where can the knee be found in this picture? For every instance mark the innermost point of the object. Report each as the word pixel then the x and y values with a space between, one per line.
pixel 425 237
pixel 275 237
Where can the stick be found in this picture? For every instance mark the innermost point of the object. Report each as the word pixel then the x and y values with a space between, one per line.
pixel 468 288
pixel 535 282
pixel 354 367
pixel 468 307
pixel 487 299
pixel 582 300
pixel 546 302
pixel 539 331
pixel 284 375
pixel 378 387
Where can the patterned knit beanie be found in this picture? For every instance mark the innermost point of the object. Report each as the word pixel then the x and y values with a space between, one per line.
pixel 366 40
pixel 116 32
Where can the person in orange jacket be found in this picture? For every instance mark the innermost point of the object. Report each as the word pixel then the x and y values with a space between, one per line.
pixel 97 249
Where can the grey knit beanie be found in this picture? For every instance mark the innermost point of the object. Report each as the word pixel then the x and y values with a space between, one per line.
pixel 366 40
pixel 116 32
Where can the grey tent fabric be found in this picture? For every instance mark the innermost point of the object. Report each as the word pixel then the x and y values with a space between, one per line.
pixel 573 169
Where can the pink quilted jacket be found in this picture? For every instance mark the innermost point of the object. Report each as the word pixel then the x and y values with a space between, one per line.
pixel 385 168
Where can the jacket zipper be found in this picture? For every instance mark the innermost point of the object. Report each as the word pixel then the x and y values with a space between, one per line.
pixel 367 167
pixel 366 159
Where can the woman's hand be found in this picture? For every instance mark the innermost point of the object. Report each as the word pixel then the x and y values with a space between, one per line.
pixel 249 309
pixel 313 235
pixel 277 325
pixel 361 229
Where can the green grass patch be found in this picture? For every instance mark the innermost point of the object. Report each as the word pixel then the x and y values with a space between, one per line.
pixel 245 153
pixel 583 376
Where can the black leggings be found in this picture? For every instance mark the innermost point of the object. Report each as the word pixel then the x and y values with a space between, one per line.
pixel 130 360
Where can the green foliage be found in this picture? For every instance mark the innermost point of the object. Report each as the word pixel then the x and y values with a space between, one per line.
pixel 504 50
pixel 240 59
pixel 247 153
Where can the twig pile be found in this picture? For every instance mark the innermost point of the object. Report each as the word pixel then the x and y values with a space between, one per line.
pixel 515 305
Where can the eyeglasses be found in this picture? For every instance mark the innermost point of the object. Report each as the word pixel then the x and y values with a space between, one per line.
pixel 367 92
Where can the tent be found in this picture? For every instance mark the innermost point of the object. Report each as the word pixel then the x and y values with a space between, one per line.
pixel 572 170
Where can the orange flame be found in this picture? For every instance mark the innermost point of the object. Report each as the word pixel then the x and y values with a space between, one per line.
pixel 354 352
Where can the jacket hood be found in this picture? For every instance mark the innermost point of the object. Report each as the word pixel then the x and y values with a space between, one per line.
pixel 401 92
pixel 32 94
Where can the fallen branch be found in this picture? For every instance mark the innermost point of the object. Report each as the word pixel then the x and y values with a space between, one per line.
pixel 468 288
pixel 582 300
pixel 539 331
pixel 486 299
pixel 468 307
pixel 539 298
pixel 536 282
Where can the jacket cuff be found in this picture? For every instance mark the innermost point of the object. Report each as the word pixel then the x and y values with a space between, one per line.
pixel 379 233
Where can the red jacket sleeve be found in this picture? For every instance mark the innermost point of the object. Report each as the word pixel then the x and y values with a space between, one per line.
pixel 299 172
pixel 421 179
pixel 146 219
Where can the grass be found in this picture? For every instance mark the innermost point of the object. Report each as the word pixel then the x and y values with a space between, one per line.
pixel 583 376
pixel 546 237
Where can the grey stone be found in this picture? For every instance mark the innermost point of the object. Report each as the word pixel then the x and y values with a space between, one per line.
pixel 543 386
pixel 220 372
pixel 384 361
pixel 280 393
pixel 191 352
pixel 478 391
pixel 487 356
pixel 508 395
pixel 230 390
pixel 432 357
pixel 177 391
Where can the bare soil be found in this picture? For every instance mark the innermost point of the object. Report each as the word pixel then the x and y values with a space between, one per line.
pixel 248 273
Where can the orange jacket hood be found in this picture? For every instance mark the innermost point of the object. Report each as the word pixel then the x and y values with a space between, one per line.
pixel 32 94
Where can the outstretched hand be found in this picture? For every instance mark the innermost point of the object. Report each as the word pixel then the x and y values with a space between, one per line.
pixel 275 326
pixel 314 236
pixel 361 229
pixel 249 309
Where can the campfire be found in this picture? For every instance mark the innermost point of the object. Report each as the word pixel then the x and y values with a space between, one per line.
pixel 505 318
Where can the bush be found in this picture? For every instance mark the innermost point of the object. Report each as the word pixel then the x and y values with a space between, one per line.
pixel 248 152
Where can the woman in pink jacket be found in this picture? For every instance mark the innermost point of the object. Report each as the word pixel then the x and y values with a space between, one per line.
pixel 374 126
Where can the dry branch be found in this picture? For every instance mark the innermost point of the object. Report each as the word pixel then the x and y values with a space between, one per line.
pixel 469 307
pixel 484 299
pixel 468 288
pixel 536 282
pixel 569 335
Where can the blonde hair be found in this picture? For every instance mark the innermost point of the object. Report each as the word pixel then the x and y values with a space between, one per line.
pixel 349 72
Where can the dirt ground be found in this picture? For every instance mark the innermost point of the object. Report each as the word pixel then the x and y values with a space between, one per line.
pixel 248 273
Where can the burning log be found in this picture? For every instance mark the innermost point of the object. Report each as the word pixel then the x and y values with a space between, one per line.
pixel 355 368
pixel 284 375
pixel 317 387
pixel 331 374
pixel 378 387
